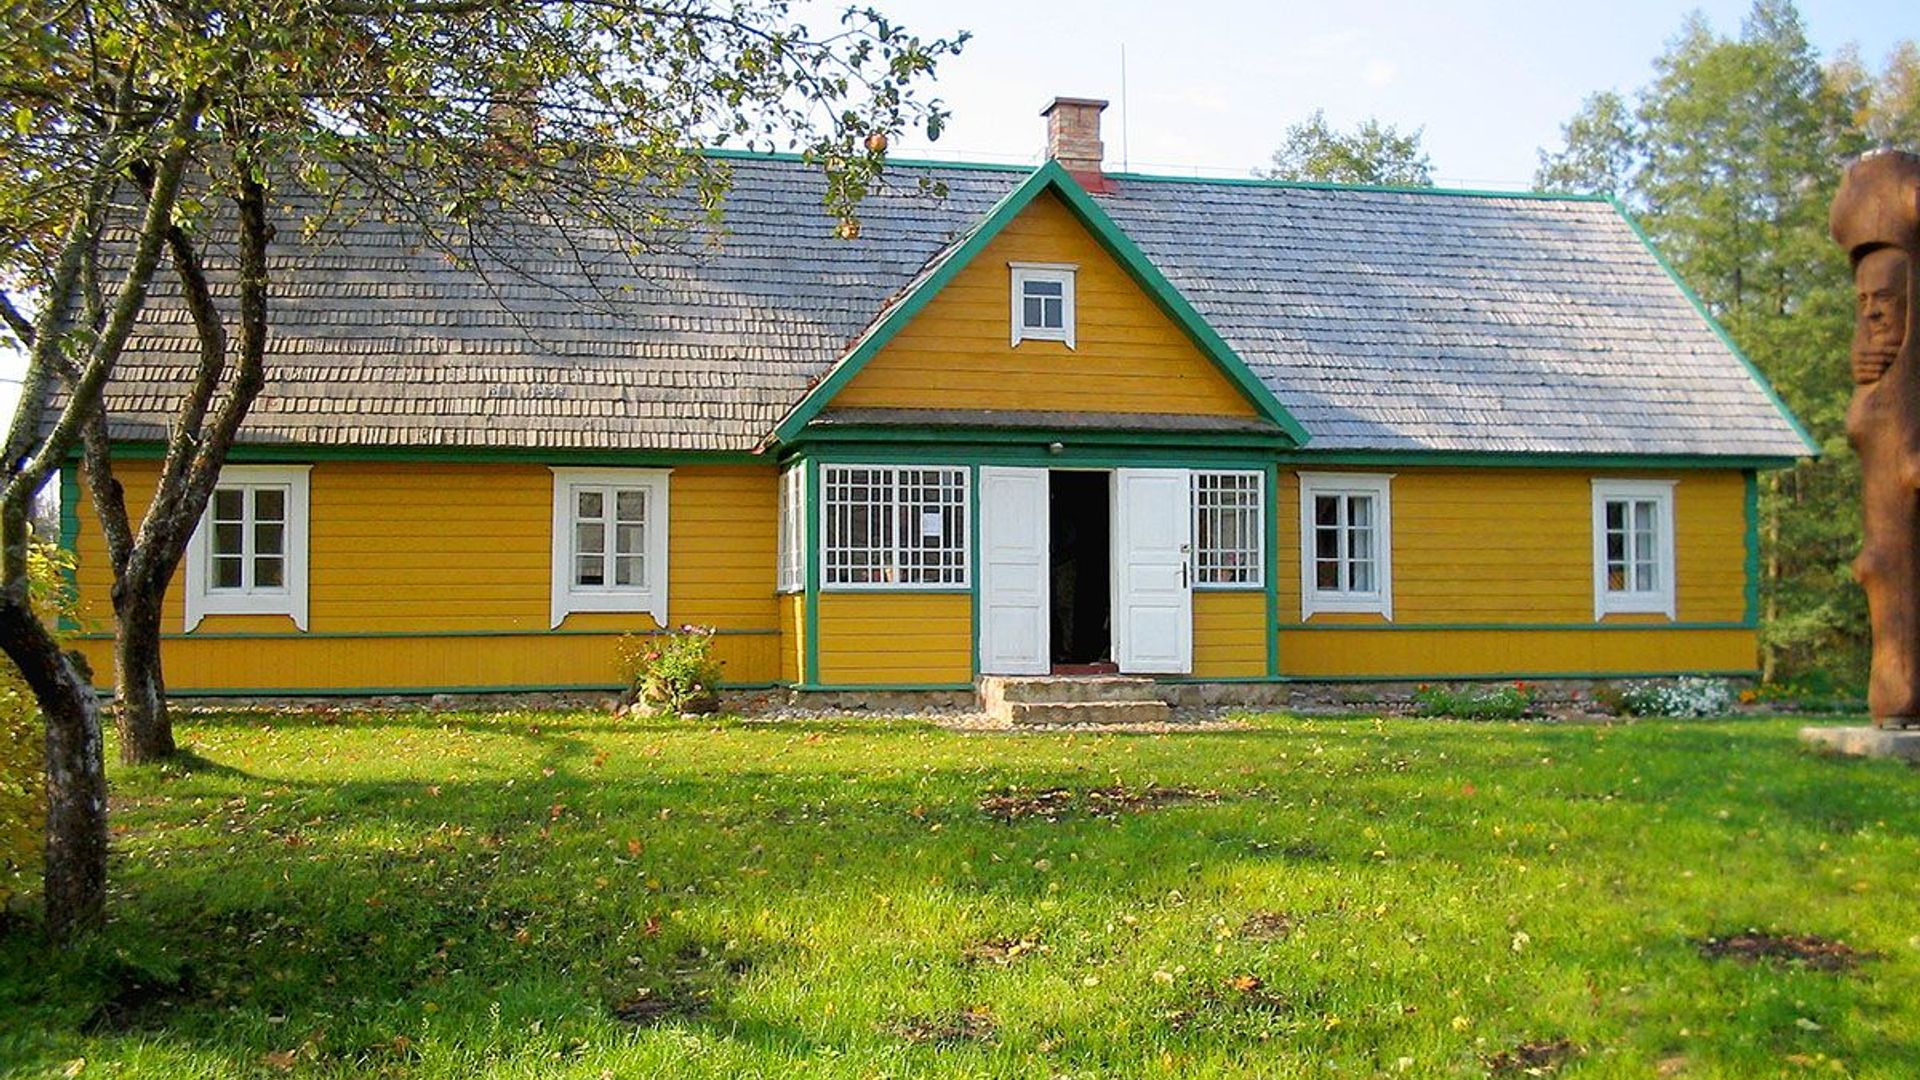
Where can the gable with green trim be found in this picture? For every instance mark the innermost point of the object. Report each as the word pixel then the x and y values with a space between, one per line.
pixel 1138 346
pixel 1128 356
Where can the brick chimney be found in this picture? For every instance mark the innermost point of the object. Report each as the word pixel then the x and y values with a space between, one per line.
pixel 1073 138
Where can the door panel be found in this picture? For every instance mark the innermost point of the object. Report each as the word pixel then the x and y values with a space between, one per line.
pixel 1013 571
pixel 1152 577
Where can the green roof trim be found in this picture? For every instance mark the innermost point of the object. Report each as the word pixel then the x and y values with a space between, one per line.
pixel 1049 177
pixel 1699 305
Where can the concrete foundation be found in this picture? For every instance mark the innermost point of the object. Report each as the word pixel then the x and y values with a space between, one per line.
pixel 1903 744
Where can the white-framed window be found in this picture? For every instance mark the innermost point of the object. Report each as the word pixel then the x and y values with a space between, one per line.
pixel 1633 562
pixel 1346 543
pixel 1229 530
pixel 249 554
pixel 885 526
pixel 1043 302
pixel 610 541
pixel 793 531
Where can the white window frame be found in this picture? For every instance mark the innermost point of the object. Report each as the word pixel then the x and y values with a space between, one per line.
pixel 1064 273
pixel 569 597
pixel 825 509
pixel 1313 599
pixel 1660 600
pixel 792 556
pixel 290 599
pixel 1259 509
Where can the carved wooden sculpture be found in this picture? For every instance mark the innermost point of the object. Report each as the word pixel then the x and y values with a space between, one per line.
pixel 1876 218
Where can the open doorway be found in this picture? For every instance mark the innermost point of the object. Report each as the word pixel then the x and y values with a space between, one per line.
pixel 1080 543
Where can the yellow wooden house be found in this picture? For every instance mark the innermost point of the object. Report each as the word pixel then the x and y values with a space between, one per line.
pixel 1030 420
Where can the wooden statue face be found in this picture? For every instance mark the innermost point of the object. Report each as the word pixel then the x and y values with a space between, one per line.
pixel 1881 284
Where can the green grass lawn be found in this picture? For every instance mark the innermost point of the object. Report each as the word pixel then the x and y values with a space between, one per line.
pixel 447 895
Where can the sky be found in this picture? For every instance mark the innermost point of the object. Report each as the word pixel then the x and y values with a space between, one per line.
pixel 1211 87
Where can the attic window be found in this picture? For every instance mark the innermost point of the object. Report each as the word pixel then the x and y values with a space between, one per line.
pixel 1043 302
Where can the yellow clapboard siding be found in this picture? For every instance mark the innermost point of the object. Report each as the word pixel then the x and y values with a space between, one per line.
pixel 428 662
pixel 793 637
pixel 1440 653
pixel 440 548
pixel 877 638
pixel 1516 545
pixel 1129 357
pixel 1229 634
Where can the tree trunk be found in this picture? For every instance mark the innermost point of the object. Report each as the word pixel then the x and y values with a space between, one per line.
pixel 75 874
pixel 146 730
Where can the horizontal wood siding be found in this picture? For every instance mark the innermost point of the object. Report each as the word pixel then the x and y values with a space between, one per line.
pixel 793 637
pixel 888 638
pixel 1229 634
pixel 1492 546
pixel 1426 654
pixel 1129 357
pixel 424 556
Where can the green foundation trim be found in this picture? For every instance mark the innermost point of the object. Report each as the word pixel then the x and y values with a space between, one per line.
pixel 352 635
pixel 1297 628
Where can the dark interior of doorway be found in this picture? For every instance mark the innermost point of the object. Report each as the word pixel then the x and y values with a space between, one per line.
pixel 1082 551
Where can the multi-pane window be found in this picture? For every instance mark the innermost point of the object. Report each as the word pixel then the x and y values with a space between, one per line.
pixel 609 541
pixel 609 537
pixel 249 542
pixel 1043 302
pixel 1229 531
pixel 793 541
pixel 1346 544
pixel 248 557
pixel 893 526
pixel 1633 547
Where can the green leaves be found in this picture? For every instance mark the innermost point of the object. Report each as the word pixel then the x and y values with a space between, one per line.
pixel 1373 153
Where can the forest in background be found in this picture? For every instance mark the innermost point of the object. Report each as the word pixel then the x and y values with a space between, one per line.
pixel 1729 158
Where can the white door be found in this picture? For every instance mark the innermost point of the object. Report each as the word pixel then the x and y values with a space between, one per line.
pixel 1014 583
pixel 1152 578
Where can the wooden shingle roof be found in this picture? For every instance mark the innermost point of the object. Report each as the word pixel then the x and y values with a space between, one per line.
pixel 1385 321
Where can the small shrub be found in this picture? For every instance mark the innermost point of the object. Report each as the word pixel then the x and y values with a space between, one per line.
pixel 1506 702
pixel 1689 697
pixel 674 671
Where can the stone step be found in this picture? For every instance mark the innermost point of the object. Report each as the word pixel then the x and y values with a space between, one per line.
pixel 1032 714
pixel 1048 689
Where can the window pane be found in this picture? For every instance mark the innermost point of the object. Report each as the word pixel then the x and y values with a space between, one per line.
pixel 1032 312
pixel 630 539
pixel 1361 573
pixel 228 538
pixel 269 538
pixel 1360 544
pixel 589 538
pixel 229 504
pixel 1645 577
pixel 269 504
pixel 1616 515
pixel 629 570
pixel 1043 288
pixel 1326 510
pixel 630 505
pixel 589 570
pixel 591 504
pixel 1360 510
pixel 226 572
pixel 269 572
pixel 1326 543
pixel 1052 314
pixel 1326 575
